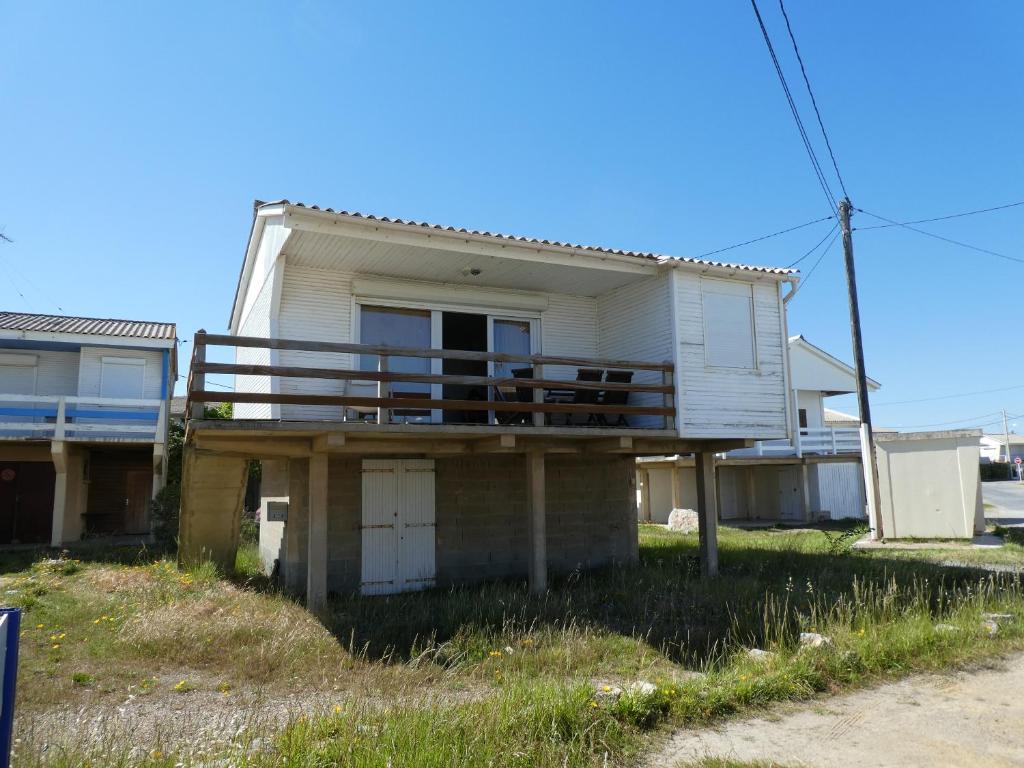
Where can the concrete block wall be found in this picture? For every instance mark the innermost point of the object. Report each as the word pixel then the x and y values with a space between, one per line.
pixel 344 537
pixel 481 511
pixel 481 518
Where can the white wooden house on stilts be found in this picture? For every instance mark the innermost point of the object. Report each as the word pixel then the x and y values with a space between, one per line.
pixel 436 405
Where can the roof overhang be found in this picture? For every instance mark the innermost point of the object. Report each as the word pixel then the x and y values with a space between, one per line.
pixel 834 363
pixel 302 220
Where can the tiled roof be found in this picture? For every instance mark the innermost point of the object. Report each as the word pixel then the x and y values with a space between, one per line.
pixel 532 240
pixel 93 326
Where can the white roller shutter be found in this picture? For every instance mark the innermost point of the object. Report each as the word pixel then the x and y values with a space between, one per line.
pixel 122 377
pixel 728 324
pixel 17 374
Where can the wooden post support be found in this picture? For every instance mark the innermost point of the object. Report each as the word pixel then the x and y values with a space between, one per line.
pixel 707 512
pixel 537 524
pixel 316 551
pixel 197 381
pixel 538 396
pixel 805 490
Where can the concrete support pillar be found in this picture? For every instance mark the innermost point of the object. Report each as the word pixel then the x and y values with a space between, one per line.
pixel 538 522
pixel 316 564
pixel 59 454
pixel 805 491
pixel 296 530
pixel 751 477
pixel 707 512
pixel 674 479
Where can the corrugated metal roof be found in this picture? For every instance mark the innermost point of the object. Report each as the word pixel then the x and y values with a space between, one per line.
pixel 93 326
pixel 532 240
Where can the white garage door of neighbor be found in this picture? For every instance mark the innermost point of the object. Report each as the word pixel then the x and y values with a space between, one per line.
pixel 397 525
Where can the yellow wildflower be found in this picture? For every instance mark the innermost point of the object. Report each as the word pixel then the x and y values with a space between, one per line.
pixel 56 646
pixel 495 654
pixel 156 754
pixel 39 626
pixel 337 709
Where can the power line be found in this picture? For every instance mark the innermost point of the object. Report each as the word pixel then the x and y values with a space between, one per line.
pixel 765 237
pixel 816 245
pixel 945 239
pixel 804 280
pixel 944 218
pixel 796 113
pixel 814 102
pixel 968 420
pixel 948 397
pixel 24 279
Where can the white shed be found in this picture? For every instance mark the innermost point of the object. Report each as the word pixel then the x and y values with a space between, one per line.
pixel 930 484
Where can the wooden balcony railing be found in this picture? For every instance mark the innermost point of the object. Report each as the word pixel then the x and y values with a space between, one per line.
pixel 603 400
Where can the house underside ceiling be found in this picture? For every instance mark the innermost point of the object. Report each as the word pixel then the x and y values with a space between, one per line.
pixel 370 257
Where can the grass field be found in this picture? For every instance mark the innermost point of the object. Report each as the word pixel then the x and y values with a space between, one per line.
pixel 127 660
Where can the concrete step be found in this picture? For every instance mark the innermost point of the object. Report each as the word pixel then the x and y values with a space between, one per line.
pixel 212 493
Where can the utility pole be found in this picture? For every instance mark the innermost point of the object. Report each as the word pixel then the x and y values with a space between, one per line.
pixel 867 442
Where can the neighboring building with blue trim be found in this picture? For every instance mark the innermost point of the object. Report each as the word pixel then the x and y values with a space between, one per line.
pixel 84 408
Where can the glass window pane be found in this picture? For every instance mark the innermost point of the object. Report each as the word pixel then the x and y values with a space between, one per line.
pixel 511 337
pixel 398 328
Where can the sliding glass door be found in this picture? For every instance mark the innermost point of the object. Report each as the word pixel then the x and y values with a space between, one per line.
pixel 397 327
pixel 445 329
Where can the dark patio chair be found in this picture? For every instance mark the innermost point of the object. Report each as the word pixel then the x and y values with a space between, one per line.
pixel 616 397
pixel 587 396
pixel 522 395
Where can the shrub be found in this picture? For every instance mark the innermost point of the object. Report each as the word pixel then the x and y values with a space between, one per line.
pixel 1000 470
pixel 164 515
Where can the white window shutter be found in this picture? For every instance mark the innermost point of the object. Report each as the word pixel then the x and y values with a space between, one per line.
pixel 728 324
pixel 122 377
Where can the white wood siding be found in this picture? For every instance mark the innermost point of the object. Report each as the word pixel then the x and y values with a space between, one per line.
pixel 635 323
pixel 256 322
pixel 568 327
pixel 725 402
pixel 812 403
pixel 274 234
pixel 316 305
pixel 91 365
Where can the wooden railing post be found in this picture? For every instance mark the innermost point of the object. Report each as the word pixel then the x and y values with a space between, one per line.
pixel 669 398
pixel 197 381
pixel 538 396
pixel 383 391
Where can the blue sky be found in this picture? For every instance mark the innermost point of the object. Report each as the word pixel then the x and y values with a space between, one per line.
pixel 135 137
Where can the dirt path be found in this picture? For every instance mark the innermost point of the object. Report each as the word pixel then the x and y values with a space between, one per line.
pixel 961 719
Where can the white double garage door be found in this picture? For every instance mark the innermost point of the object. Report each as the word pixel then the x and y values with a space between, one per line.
pixel 398 526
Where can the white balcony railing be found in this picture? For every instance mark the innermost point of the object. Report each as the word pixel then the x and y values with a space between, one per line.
pixel 83 418
pixel 821 441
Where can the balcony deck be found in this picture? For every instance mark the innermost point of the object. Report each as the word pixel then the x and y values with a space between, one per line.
pixel 533 410
pixel 81 419
pixel 809 441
